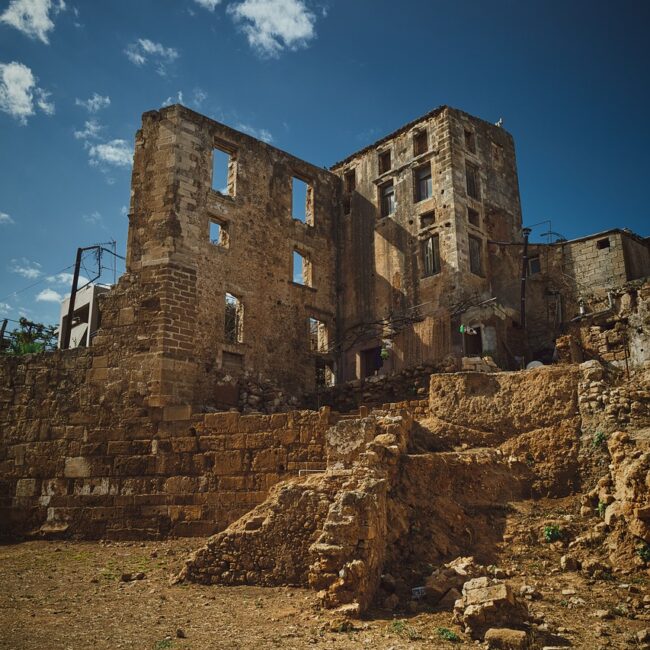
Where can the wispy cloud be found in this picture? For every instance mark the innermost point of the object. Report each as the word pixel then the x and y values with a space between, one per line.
pixel 19 94
pixel 5 307
pixel 196 98
pixel 117 153
pixel 49 295
pixel 272 26
pixel 22 266
pixel 65 279
pixel 174 99
pixel 210 5
pixel 91 131
pixel 32 17
pixel 94 103
pixel 145 51
pixel 260 134
pixel 94 218
pixel 5 219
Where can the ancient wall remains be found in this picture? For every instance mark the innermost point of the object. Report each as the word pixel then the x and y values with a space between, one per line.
pixel 72 465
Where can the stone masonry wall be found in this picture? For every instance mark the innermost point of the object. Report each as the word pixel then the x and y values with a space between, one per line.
pixel 70 465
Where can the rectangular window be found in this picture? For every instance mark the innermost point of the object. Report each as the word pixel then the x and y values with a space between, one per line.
pixel 302 202
pixel 387 198
pixel 302 271
pixel 427 219
pixel 350 181
pixel 534 266
pixel 431 256
pixel 602 243
pixel 473 182
pixel 473 217
pixel 470 141
pixel 218 234
pixel 347 205
pixel 317 336
pixel 384 162
pixel 475 256
pixel 371 362
pixel 423 184
pixel 223 171
pixel 234 321
pixel 420 143
pixel 325 376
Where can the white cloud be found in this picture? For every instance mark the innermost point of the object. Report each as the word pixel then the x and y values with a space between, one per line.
pixel 90 131
pixel 32 17
pixel 274 25
pixel 174 100
pixel 94 103
pixel 260 134
pixel 144 51
pixel 22 266
pixel 49 295
pixel 65 279
pixel 18 91
pixel 115 152
pixel 5 218
pixel 210 5
pixel 93 218
pixel 5 306
pixel 124 211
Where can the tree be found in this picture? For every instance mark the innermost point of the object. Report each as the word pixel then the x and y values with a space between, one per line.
pixel 30 337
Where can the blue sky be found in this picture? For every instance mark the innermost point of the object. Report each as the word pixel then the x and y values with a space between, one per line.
pixel 318 78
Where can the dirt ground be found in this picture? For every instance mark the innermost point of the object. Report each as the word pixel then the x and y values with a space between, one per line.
pixel 71 595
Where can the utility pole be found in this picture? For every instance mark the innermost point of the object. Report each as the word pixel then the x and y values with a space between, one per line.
pixel 524 273
pixel 67 327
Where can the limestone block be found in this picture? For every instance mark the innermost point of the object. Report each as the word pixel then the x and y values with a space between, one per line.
pixel 77 467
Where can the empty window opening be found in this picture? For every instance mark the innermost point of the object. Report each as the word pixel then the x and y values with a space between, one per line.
pixel 423 184
pixel 602 243
pixel 475 256
pixel 371 362
pixel 347 205
pixel 470 141
pixel 420 143
pixel 325 376
pixel 427 219
pixel 385 163
pixel 474 217
pixel 350 181
pixel 302 271
pixel 430 256
pixel 473 343
pixel 234 321
pixel 218 234
pixel 534 265
pixel 473 182
pixel 318 340
pixel 302 201
pixel 387 198
pixel 232 361
pixel 223 172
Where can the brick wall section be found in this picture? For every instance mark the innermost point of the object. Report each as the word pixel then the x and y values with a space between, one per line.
pixel 71 467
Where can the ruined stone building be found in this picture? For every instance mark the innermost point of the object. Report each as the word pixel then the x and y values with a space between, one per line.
pixel 388 257
pixel 402 259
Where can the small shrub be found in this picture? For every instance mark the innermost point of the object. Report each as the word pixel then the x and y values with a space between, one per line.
pixel 448 635
pixel 552 533
pixel 164 644
pixel 401 628
pixel 598 440
pixel 643 551
pixel 601 509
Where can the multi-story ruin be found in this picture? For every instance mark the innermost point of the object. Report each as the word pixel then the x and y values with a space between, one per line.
pixel 402 259
pixel 392 255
